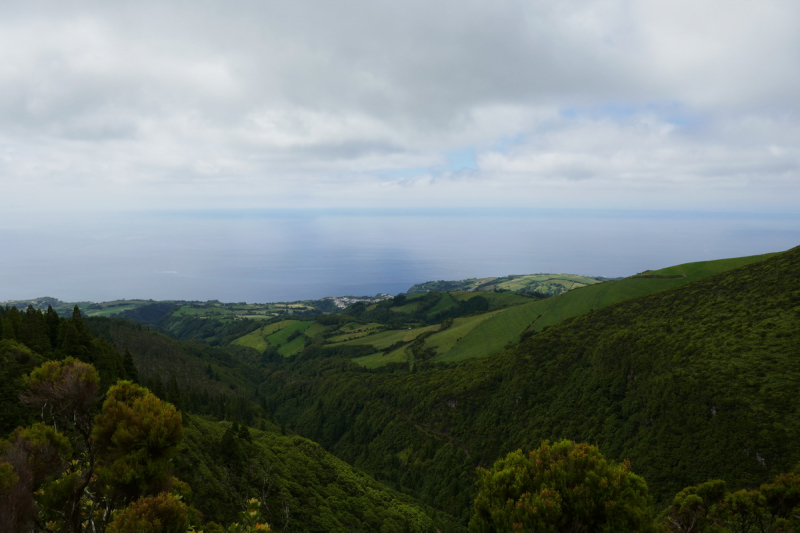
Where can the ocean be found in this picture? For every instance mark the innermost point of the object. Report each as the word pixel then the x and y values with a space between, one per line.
pixel 295 254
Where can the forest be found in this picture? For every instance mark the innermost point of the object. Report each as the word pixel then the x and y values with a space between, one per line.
pixel 667 401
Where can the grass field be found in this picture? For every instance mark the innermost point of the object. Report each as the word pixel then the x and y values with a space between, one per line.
pixel 384 339
pixel 377 360
pixel 449 339
pixel 543 283
pixel 445 302
pixel 488 333
pixel 276 334
pixel 354 331
pixel 292 347
pixel 281 336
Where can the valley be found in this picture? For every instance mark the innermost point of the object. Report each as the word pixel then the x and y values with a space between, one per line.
pixel 377 415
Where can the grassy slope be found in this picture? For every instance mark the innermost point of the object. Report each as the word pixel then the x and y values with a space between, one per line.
pixel 385 339
pixel 497 331
pixel 451 338
pixel 355 331
pixel 542 282
pixel 693 383
pixel 487 334
pixel 276 334
pixel 445 302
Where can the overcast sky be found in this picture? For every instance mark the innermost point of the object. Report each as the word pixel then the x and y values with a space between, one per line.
pixel 558 103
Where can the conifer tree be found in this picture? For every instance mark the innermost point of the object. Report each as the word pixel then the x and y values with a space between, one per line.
pixel 174 393
pixel 130 368
pixel 52 321
pixel 33 331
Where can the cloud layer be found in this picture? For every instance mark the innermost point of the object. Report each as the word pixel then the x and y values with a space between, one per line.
pixel 616 103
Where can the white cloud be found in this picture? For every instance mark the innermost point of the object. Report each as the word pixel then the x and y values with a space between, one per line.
pixel 154 104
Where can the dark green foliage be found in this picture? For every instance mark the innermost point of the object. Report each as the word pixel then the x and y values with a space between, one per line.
pixel 341 350
pixel 34 332
pixel 709 507
pixel 163 513
pixel 429 308
pixel 126 455
pixel 690 384
pixel 563 487
pixel 71 471
pixel 16 361
pixel 211 332
pixel 149 314
pixel 174 393
pixel 137 435
pixel 335 319
pixel 130 367
pixel 476 304
pixel 303 487
pixel 195 366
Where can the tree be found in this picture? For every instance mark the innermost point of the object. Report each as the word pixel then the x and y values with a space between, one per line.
pixel 692 508
pixel 137 435
pixel 65 391
pixel 130 368
pixel 163 513
pixel 708 507
pixel 561 487
pixel 73 472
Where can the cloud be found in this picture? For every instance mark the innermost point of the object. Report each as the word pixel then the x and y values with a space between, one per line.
pixel 152 104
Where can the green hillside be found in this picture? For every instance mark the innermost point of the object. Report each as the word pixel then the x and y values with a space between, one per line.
pixel 694 381
pixel 302 487
pixel 691 383
pixel 489 333
pixel 543 284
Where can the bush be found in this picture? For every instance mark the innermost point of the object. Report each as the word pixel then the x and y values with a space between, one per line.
pixel 560 487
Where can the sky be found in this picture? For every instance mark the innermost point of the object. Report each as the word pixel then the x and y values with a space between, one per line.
pixel 607 104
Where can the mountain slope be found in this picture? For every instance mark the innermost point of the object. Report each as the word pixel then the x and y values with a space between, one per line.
pixel 544 284
pixel 302 487
pixel 492 332
pixel 691 383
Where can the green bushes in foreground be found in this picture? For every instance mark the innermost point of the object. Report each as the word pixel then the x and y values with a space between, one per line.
pixel 567 487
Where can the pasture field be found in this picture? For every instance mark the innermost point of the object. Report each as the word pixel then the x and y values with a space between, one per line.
pixel 543 283
pixel 241 310
pixel 315 329
pixel 275 334
pixel 445 302
pixel 253 340
pixel 281 336
pixel 489 333
pixel 292 347
pixel 377 360
pixel 447 340
pixel 112 308
pixel 355 331
pixel 384 339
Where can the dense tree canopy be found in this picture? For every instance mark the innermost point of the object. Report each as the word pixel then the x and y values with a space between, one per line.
pixel 560 487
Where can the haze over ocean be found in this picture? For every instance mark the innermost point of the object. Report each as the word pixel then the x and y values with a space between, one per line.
pixel 293 254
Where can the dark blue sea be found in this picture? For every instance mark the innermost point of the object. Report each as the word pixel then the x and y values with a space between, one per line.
pixel 285 255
